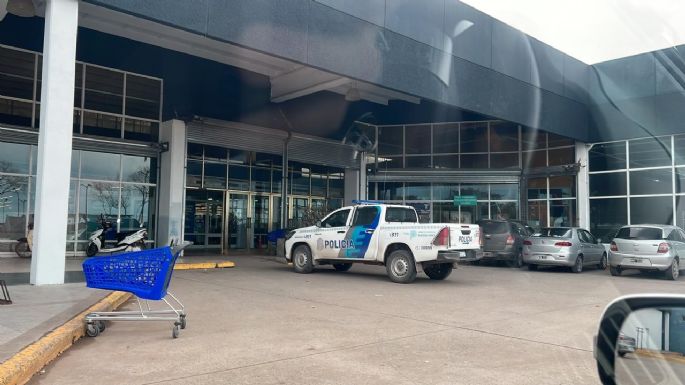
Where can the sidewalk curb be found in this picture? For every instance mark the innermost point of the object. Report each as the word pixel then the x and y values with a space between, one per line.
pixel 203 265
pixel 668 356
pixel 19 369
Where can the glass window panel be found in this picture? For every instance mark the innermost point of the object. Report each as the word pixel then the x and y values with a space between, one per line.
pixel 268 160
pixel 509 191
pixel 651 152
pixel 99 198
pixel 336 185
pixel 651 182
pixel 680 211
pixel 387 162
pixel 100 165
pixel 535 159
pixel 390 191
pixel 504 160
pixel 679 148
pixel 504 136
pixel 76 123
pixel 562 213
pixel 504 210
pixel 657 210
pixel 142 130
pixel 479 190
pixel 417 139
pixel 537 188
pixel 215 175
pixel 139 169
pixel 75 161
pixel 104 90
pixel 472 214
pixel 532 139
pixel 474 161
pixel 15 112
pixel 607 216
pixel 554 140
pixel 101 125
pixel 194 173
pixel 319 182
pixel 276 181
pixel 561 156
pixel 215 153
pixel 474 137
pixel 261 179
pixel 445 191
pixel 334 204
pixel 239 157
pixel 13 198
pixel 14 158
pixel 238 178
pixel 537 214
pixel 446 138
pixel 195 151
pixel 300 180
pixel 680 180
pixel 607 156
pixel 445 212
pixel 562 187
pixel 423 211
pixel 142 96
pixel 74 227
pixel 390 140
pixel 446 161
pixel 417 161
pixel 136 204
pixel 417 191
pixel 16 73
pixel 613 183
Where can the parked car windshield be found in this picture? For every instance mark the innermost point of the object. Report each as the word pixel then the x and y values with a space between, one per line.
pixel 640 233
pixel 554 232
pixel 494 227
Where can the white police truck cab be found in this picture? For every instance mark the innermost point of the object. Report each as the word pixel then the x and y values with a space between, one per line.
pixel 383 234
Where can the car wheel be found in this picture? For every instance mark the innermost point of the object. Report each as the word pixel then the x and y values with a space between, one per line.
pixel 673 272
pixel 578 265
pixel 438 271
pixel 22 250
pixel 401 267
pixel 302 260
pixel 532 267
pixel 342 266
pixel 603 262
pixel 615 271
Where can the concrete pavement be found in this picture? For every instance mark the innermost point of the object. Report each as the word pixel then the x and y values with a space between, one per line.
pixel 260 323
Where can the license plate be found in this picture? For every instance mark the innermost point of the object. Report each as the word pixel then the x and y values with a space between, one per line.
pixel 465 239
pixel 487 254
pixel 542 257
pixel 636 260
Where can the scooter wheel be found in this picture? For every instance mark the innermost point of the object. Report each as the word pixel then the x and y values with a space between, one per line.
pixel 91 250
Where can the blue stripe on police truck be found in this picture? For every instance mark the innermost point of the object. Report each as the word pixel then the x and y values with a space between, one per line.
pixel 358 240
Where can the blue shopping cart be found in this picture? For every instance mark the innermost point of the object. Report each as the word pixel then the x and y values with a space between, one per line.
pixel 145 274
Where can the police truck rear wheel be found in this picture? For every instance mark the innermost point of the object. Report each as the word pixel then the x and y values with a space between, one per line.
pixel 438 271
pixel 342 266
pixel 401 267
pixel 302 260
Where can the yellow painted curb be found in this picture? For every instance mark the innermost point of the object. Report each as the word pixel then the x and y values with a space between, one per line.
pixel 19 369
pixel 203 265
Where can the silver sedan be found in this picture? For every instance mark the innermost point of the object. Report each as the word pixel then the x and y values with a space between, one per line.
pixel 564 246
pixel 647 247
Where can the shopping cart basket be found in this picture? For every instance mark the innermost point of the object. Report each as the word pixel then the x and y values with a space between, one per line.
pixel 145 274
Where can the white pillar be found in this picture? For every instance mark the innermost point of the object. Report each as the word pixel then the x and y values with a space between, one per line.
pixel 54 142
pixel 583 183
pixel 172 183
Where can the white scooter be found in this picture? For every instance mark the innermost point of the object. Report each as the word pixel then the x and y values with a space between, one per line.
pixel 131 242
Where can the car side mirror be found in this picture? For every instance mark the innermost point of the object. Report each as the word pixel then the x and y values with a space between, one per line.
pixel 640 340
pixel 318 223
pixel 599 241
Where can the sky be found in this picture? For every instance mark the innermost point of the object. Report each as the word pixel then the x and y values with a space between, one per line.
pixel 594 30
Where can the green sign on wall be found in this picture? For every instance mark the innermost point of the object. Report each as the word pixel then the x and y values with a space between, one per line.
pixel 465 200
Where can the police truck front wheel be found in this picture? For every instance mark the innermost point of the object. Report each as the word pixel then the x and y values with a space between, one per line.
pixel 438 271
pixel 302 260
pixel 401 267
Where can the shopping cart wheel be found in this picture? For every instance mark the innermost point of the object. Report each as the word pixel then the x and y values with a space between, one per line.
pixel 176 330
pixel 183 321
pixel 100 325
pixel 92 330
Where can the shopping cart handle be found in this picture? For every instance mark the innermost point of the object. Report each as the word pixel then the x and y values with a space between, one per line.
pixel 176 250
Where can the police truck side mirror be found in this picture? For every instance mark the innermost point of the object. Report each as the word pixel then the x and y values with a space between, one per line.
pixel 318 223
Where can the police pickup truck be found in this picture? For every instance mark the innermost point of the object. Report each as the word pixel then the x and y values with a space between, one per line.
pixel 383 234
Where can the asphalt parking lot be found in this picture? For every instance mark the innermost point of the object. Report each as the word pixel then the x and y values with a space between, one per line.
pixel 260 323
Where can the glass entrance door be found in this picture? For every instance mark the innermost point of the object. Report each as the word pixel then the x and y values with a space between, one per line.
pixel 204 219
pixel 260 221
pixel 237 221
